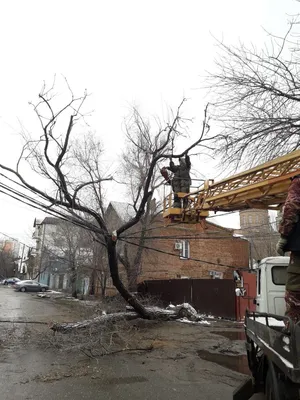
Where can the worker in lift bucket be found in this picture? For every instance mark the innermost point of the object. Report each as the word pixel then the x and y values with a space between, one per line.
pixel 289 229
pixel 181 180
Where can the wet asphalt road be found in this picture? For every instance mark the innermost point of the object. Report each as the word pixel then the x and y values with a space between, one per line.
pixel 29 372
pixel 16 306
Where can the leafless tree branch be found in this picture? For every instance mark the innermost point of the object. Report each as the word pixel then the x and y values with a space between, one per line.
pixel 255 100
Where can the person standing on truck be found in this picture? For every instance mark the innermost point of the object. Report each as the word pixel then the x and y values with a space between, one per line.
pixel 181 180
pixel 289 229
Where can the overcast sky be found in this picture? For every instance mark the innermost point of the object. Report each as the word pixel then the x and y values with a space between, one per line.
pixel 124 52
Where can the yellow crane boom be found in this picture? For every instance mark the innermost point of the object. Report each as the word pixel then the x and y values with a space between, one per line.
pixel 264 186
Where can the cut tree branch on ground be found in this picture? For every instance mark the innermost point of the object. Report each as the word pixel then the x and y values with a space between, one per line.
pixel 22 322
pixel 184 310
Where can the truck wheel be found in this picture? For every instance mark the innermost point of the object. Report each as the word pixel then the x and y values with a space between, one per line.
pixel 272 387
pixel 269 389
pixel 277 389
pixel 288 390
pixel 251 355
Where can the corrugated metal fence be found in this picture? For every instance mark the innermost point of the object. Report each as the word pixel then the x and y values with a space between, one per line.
pixel 207 296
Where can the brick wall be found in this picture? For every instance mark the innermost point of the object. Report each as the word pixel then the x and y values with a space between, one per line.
pixel 208 242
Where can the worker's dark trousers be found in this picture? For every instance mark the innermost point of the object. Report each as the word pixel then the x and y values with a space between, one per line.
pixel 292 286
pixel 180 186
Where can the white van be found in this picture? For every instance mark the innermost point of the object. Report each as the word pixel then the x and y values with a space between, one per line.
pixel 270 289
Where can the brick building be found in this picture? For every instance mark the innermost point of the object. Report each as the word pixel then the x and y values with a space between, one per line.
pixel 179 251
pixel 193 251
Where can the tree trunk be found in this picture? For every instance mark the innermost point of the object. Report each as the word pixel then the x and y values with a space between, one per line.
pixel 114 272
pixel 74 281
pixel 132 275
pixel 131 270
pixel 135 270
pixel 93 282
pixel 103 285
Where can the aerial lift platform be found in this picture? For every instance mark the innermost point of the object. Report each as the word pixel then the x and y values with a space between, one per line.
pixel 264 187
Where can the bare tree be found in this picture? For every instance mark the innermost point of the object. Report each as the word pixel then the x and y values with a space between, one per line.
pixel 51 157
pixel 30 262
pixel 73 246
pixel 136 160
pixel 41 262
pixel 100 271
pixel 7 264
pixel 87 155
pixel 256 99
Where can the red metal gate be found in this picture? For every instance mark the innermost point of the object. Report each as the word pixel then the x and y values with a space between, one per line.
pixel 215 297
pixel 207 296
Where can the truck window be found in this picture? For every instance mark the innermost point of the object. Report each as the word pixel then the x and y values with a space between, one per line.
pixel 279 274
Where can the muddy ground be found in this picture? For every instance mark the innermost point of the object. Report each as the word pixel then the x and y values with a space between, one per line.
pixel 129 360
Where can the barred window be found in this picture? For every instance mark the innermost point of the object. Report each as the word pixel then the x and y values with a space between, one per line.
pixel 185 250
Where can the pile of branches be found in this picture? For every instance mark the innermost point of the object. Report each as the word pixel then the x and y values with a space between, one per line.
pixel 171 313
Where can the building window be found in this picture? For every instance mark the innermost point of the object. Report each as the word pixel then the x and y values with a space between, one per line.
pixel 250 219
pixel 185 250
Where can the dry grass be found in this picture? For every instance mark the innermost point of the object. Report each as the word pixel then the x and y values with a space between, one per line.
pixel 95 341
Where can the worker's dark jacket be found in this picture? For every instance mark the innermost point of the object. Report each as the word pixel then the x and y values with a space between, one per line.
pixel 181 171
pixel 290 224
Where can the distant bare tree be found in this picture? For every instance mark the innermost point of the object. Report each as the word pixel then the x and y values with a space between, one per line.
pixel 73 245
pixel 256 99
pixel 51 157
pixel 136 160
pixel 30 263
pixel 7 264
pixel 100 271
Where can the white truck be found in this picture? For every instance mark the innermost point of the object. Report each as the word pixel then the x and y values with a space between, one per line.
pixel 273 350
pixel 270 285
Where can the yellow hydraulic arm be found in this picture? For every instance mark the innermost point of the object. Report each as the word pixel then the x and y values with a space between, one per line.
pixel 264 186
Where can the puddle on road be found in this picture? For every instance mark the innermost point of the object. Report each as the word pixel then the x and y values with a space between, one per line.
pixel 232 335
pixel 235 363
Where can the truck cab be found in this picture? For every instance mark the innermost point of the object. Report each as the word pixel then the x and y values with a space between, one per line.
pixel 270 288
pixel 272 339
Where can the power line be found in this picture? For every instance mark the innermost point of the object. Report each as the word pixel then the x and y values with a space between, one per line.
pixel 19 196
pixel 43 207
pixel 207 237
pixel 34 248
pixel 45 250
pixel 152 228
pixel 23 195
pixel 67 218
pixel 21 184
pixel 15 240
pixel 134 234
